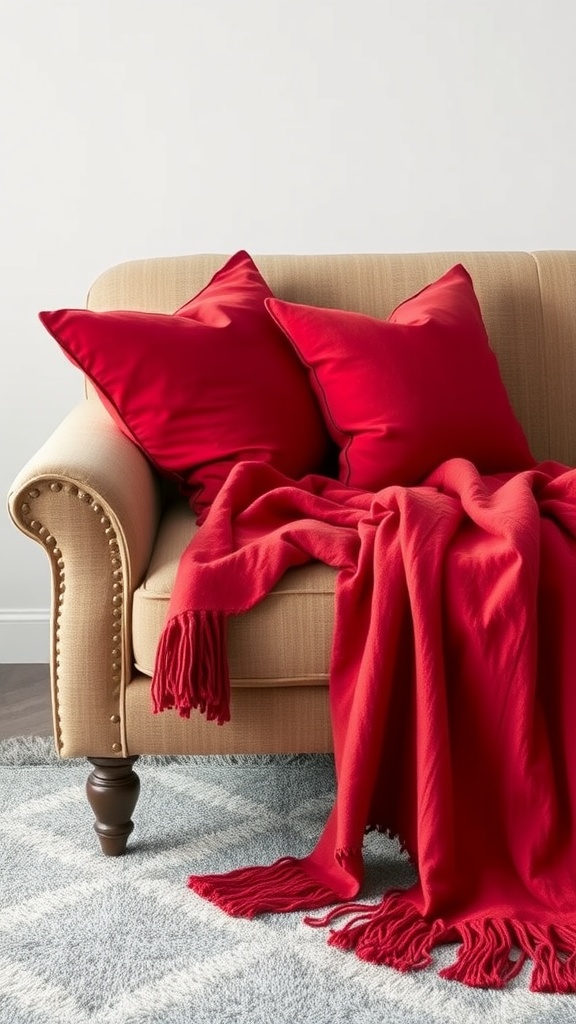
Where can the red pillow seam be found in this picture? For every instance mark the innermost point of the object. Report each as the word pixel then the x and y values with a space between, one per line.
pixel 241 252
pixel 343 433
pixel 312 370
pixel 132 434
pixel 425 288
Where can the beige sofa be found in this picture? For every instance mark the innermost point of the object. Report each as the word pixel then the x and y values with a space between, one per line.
pixel 113 532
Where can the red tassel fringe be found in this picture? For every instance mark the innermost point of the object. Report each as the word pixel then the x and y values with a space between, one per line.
pixel 191 669
pixel 280 888
pixel 391 932
pixel 553 950
pixel 394 933
pixel 483 959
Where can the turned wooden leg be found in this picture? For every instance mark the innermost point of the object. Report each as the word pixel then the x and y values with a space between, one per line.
pixel 113 790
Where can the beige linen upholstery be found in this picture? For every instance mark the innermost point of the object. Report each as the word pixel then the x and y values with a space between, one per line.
pixel 90 498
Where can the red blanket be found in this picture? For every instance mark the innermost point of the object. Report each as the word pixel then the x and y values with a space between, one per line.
pixel 452 696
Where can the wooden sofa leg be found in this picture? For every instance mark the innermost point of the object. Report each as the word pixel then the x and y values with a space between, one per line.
pixel 113 789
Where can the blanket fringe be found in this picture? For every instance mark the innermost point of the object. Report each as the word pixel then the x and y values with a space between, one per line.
pixel 392 932
pixel 553 951
pixel 280 888
pixel 191 669
pixel 483 959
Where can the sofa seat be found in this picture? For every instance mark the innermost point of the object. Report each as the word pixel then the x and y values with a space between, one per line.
pixel 283 641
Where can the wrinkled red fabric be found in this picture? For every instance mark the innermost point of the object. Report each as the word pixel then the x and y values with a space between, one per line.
pixel 452 700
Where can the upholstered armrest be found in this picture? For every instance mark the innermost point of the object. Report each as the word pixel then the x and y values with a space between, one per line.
pixel 93 501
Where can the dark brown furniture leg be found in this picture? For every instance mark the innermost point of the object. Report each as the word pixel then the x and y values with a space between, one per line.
pixel 113 789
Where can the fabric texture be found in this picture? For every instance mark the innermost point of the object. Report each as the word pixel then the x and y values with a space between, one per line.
pixel 403 395
pixel 451 697
pixel 211 385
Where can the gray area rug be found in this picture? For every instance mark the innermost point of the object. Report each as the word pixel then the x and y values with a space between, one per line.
pixel 86 939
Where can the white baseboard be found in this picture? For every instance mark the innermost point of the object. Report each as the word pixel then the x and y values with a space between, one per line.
pixel 24 635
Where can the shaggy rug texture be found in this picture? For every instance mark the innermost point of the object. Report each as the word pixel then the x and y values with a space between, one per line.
pixel 86 939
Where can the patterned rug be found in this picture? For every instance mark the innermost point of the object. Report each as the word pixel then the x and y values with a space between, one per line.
pixel 91 940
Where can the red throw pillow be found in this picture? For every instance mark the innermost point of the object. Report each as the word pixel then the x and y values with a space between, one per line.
pixel 402 395
pixel 213 384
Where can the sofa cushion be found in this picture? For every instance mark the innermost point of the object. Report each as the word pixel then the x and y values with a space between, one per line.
pixel 402 395
pixel 211 385
pixel 284 641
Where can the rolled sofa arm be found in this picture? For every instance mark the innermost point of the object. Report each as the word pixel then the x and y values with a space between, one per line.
pixel 92 500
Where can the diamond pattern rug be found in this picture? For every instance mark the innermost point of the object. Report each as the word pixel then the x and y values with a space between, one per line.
pixel 86 939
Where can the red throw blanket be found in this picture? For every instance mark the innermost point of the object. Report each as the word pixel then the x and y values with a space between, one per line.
pixel 452 696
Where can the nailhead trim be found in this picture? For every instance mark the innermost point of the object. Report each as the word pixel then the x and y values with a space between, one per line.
pixel 58 567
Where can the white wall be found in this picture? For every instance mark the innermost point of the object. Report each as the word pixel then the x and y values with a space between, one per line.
pixel 133 128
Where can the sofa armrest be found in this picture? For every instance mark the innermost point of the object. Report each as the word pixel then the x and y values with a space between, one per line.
pixel 92 500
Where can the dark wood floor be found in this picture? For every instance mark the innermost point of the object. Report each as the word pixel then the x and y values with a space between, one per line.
pixel 25 708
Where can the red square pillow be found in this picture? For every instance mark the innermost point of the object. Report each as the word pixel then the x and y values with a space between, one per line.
pixel 402 395
pixel 213 384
